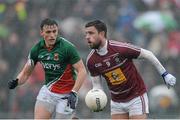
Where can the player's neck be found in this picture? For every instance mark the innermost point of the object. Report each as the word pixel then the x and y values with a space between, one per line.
pixel 49 47
pixel 103 50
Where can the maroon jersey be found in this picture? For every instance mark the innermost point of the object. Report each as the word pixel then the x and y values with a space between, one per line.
pixel 117 67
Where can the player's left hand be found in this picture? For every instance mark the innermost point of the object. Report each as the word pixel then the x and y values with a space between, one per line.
pixel 169 79
pixel 72 99
pixel 12 83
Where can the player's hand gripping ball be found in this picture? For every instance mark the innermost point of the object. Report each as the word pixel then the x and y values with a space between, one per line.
pixel 96 100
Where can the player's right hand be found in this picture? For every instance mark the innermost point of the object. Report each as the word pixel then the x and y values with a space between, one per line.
pixel 72 99
pixel 12 83
pixel 169 79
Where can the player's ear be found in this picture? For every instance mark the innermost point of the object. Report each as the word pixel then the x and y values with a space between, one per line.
pixel 41 32
pixel 102 33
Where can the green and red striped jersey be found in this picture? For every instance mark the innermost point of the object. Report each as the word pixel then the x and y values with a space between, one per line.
pixel 60 76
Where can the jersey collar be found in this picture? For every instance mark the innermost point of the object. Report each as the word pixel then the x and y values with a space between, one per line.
pixel 103 50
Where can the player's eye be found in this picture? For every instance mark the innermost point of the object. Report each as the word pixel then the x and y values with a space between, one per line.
pixel 48 32
pixel 90 32
pixel 54 31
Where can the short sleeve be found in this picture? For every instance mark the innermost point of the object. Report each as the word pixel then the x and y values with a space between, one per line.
pixel 33 56
pixel 91 68
pixel 130 51
pixel 73 54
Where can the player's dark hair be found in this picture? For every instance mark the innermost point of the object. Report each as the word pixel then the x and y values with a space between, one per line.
pixel 99 25
pixel 48 21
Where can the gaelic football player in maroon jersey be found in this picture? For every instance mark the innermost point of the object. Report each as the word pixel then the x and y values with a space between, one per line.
pixel 113 61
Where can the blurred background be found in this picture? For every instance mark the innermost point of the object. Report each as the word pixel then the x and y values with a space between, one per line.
pixel 151 24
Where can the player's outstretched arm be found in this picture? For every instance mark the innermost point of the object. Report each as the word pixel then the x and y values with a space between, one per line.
pixel 22 76
pixel 169 79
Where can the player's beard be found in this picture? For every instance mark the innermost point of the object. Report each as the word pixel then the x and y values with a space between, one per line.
pixel 96 45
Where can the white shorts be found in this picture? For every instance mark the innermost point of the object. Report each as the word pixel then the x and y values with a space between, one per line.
pixel 136 106
pixel 53 101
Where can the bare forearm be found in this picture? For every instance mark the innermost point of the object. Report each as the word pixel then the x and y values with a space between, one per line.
pixel 81 76
pixel 25 73
pixel 22 78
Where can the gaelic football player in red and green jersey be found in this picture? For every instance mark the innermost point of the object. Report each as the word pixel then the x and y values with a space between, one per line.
pixel 64 73
pixel 113 60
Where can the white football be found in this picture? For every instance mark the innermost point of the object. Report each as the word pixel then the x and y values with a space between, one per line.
pixel 96 99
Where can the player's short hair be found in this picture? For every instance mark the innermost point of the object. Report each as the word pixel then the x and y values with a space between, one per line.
pixel 99 25
pixel 48 21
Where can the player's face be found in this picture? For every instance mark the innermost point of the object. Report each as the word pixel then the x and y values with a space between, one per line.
pixel 49 33
pixel 93 37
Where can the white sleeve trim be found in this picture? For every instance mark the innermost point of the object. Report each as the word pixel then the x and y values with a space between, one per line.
pixel 30 62
pixel 151 57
